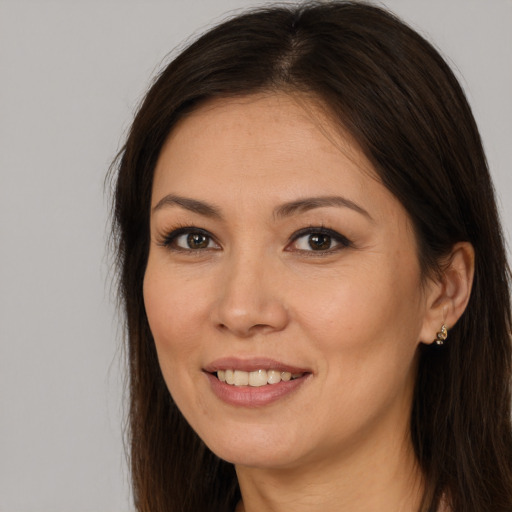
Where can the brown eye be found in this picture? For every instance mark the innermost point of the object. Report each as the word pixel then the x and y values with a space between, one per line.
pixel 190 239
pixel 319 242
pixel 197 241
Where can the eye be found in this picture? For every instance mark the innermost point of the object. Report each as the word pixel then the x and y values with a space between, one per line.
pixel 318 240
pixel 189 239
pixel 193 241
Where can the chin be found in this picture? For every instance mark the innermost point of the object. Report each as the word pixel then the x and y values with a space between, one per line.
pixel 253 447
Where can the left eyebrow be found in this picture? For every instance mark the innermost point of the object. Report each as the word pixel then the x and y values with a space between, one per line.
pixel 310 203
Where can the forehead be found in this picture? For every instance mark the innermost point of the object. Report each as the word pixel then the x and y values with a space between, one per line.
pixel 278 139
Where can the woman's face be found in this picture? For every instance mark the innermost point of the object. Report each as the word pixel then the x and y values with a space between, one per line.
pixel 276 251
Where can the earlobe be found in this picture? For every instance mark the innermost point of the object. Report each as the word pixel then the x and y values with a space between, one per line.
pixel 449 294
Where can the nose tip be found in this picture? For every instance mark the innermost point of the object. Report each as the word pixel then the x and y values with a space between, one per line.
pixel 245 322
pixel 250 303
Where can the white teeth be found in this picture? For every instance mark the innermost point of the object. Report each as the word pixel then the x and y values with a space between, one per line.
pixel 242 378
pixel 273 377
pixel 230 377
pixel 256 378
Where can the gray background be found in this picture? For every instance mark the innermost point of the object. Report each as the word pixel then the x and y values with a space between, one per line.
pixel 71 74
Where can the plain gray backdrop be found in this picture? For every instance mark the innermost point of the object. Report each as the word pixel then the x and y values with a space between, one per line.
pixel 71 75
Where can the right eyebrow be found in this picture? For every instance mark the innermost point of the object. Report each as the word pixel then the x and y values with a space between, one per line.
pixel 193 205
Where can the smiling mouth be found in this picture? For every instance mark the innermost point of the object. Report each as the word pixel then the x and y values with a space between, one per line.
pixel 256 378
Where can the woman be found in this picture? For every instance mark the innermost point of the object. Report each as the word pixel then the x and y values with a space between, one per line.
pixel 313 275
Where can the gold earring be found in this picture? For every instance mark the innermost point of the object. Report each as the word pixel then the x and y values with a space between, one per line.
pixel 441 335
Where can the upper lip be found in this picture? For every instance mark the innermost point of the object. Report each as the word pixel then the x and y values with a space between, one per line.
pixel 252 364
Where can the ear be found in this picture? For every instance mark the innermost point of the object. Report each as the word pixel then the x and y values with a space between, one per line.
pixel 448 294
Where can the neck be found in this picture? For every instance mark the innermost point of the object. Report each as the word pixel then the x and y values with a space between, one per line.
pixel 370 478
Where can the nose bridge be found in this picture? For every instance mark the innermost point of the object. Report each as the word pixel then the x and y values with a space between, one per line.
pixel 249 296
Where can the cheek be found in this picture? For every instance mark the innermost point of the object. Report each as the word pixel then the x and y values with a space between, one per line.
pixel 376 304
pixel 365 326
pixel 365 332
pixel 172 312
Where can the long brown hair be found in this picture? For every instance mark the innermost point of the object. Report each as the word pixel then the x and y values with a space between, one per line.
pixel 391 90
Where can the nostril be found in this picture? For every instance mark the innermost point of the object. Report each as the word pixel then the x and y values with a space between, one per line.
pixel 246 331
pixel 249 314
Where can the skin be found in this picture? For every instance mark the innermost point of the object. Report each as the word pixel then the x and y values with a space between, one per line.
pixel 353 314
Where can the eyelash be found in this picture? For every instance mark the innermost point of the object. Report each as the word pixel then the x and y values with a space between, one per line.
pixel 342 242
pixel 169 240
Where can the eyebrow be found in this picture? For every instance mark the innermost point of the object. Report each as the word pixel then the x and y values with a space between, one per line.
pixel 310 203
pixel 282 211
pixel 193 205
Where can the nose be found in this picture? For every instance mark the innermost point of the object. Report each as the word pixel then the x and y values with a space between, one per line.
pixel 251 298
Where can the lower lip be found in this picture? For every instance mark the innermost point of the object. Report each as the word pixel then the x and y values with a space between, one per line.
pixel 249 396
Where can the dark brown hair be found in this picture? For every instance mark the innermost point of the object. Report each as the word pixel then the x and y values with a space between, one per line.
pixel 391 90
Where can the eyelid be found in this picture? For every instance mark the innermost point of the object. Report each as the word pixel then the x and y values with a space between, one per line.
pixel 342 240
pixel 167 239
